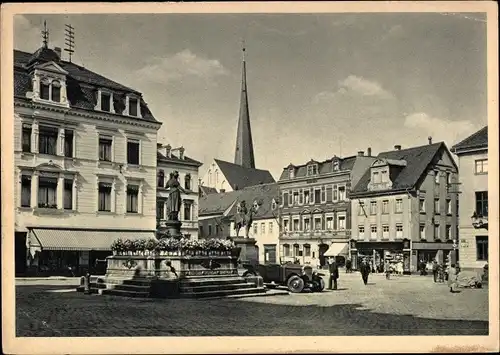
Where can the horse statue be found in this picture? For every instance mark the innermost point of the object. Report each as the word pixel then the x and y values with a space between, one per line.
pixel 244 218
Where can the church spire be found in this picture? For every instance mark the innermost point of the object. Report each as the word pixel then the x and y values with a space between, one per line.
pixel 244 146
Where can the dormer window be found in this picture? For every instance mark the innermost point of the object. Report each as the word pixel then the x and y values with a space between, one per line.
pixel 49 84
pixel 336 165
pixel 312 169
pixel 56 91
pixel 291 173
pixel 133 106
pixel 376 177
pixel 45 90
pixel 50 90
pixel 385 176
pixel 105 102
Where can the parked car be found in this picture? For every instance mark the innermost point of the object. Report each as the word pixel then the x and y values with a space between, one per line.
pixel 294 276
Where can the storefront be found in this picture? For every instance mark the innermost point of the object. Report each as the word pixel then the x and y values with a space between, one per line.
pixel 427 252
pixel 378 252
pixel 72 252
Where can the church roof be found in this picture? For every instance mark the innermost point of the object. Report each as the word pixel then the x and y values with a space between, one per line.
pixel 239 177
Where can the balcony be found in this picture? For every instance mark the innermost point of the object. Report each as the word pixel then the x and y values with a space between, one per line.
pixel 479 222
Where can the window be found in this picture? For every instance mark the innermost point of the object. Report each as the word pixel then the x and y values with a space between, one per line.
pixel 263 228
pixel 105 145
pixel 448 232
pixel 373 231
pixel 25 191
pixel 482 203
pixel 329 223
pixel 132 106
pixel 317 223
pixel 291 173
pixel 436 177
pixel 373 207
pixel 286 249
pixel 285 225
pixel 448 206
pixel 361 211
pixel 187 182
pixel 422 231
pixel 421 205
pixel 307 250
pixel 436 206
pixel 209 229
pixel 329 193
pixel 336 166
pixel 295 197
pixel 436 231
pixel 307 225
pixel 482 248
pixel 361 230
pixel 47 192
pixel 285 199
pixel 270 227
pixel 312 169
pixel 376 177
pixel 132 198
pixel 255 229
pixel 68 143
pixel 105 102
pixel 335 193
pixel 47 140
pixel 385 231
pixel 133 152
pixel 399 205
pixel 187 209
pixel 385 176
pixel 44 90
pixel 385 206
pixel 290 199
pixel 68 194
pixel 301 197
pixel 26 139
pixel 481 166
pixel 296 250
pixel 161 178
pixel 217 228
pixel 296 224
pixel 274 205
pixel 317 196
pixel 160 210
pixel 342 193
pixel 104 197
pixel 306 197
pixel 399 230
pixel 56 91
pixel 323 194
pixel 341 221
pixel 448 178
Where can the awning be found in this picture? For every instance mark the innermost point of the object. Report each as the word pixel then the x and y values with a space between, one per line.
pixel 337 249
pixel 67 239
pixel 432 246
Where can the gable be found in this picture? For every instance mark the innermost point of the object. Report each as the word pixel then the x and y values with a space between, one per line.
pixel 51 67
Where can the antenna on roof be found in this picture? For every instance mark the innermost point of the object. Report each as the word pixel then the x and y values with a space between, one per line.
pixel 45 34
pixel 69 32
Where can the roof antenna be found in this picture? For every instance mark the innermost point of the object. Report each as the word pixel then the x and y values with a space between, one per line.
pixel 243 48
pixel 69 32
pixel 45 34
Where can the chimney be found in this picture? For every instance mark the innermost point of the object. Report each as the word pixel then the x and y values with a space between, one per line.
pixel 397 147
pixel 181 153
pixel 58 51
pixel 369 152
pixel 361 153
pixel 430 139
pixel 168 149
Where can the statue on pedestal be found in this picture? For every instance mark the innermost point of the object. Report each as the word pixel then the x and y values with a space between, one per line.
pixel 174 196
pixel 244 218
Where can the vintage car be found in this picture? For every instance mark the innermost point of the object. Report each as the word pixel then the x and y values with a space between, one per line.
pixel 294 276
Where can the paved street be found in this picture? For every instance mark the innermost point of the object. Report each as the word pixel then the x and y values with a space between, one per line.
pixel 400 306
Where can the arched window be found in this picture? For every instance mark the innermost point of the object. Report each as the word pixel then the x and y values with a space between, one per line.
pixel 161 178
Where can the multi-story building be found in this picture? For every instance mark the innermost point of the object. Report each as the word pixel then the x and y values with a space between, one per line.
pixel 167 163
pixel 315 207
pixel 472 155
pixel 217 212
pixel 85 163
pixel 405 207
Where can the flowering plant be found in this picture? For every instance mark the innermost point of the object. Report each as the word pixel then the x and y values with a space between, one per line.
pixel 117 245
pixel 140 244
pixel 128 245
pixel 151 244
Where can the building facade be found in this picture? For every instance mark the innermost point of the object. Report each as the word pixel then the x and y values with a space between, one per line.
pixel 315 208
pixel 85 158
pixel 167 163
pixel 404 209
pixel 472 155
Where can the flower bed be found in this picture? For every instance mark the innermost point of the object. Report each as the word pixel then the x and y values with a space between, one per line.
pixel 172 246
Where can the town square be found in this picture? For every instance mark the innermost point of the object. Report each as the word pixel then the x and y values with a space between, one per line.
pixel 252 174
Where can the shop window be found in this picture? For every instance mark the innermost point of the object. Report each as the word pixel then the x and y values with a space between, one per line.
pixel 482 203
pixel 25 191
pixel 132 198
pixel 26 138
pixel 47 192
pixel 68 143
pixel 385 206
pixel 68 194
pixel 104 203
pixel 399 205
pixel 481 166
pixel 133 152
pixel 47 140
pixel 105 146
pixel 482 248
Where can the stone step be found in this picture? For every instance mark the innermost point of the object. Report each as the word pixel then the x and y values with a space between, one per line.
pixel 124 281
pixel 268 293
pixel 222 293
pixel 206 288
pixel 125 287
pixel 125 293
pixel 212 281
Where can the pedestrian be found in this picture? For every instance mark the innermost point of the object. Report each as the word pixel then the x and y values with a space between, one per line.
pixel 387 269
pixel 348 265
pixel 334 274
pixel 365 271
pixel 435 269
pixel 452 278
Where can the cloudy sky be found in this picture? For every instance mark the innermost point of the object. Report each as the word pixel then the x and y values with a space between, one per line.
pixel 319 84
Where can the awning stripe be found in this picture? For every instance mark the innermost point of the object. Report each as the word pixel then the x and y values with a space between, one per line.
pixel 337 249
pixel 65 239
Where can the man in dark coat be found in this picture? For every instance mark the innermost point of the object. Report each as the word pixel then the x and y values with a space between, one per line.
pixel 365 271
pixel 348 265
pixel 334 274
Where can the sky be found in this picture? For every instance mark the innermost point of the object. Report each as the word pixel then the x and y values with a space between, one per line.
pixel 319 85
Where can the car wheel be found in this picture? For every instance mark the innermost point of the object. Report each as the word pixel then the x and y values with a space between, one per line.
pixel 321 285
pixel 249 273
pixel 295 284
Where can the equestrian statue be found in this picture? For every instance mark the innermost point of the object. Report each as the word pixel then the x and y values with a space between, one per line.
pixel 244 217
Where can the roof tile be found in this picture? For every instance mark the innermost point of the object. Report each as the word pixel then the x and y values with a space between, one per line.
pixel 240 177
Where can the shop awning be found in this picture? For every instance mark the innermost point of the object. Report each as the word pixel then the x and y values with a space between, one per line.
pixel 337 249
pixel 432 246
pixel 67 239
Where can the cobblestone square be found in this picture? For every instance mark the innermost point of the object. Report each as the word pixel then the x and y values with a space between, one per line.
pixel 407 305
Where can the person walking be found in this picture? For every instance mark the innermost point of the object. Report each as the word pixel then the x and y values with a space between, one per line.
pixel 435 269
pixel 334 274
pixel 365 271
pixel 452 278
pixel 348 266
pixel 387 269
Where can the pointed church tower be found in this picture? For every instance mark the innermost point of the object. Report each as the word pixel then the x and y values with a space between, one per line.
pixel 244 145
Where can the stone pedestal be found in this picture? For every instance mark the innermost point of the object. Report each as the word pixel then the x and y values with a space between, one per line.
pixel 249 252
pixel 174 228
